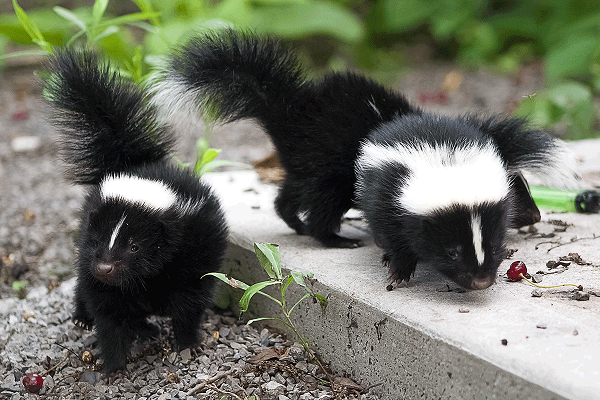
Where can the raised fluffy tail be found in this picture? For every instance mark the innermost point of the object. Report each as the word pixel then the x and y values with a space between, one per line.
pixel 230 75
pixel 532 151
pixel 105 123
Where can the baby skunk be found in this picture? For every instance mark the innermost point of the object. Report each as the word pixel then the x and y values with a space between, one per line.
pixel 433 189
pixel 149 230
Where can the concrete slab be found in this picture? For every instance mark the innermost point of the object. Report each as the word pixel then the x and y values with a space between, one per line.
pixel 418 342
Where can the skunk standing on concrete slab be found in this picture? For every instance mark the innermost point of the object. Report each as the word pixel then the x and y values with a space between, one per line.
pixel 149 230
pixel 433 189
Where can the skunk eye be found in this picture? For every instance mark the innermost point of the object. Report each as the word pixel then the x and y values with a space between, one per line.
pixel 134 248
pixel 454 253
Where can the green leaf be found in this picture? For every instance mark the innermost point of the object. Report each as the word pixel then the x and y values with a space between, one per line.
pixel 31 28
pixel 230 281
pixel 136 61
pixel 24 53
pixel 146 6
pixel 323 302
pixel 211 165
pixel 70 16
pixel 260 319
pixel 98 10
pixel 294 19
pixel 251 291
pixel 111 30
pixel 270 259
pixel 124 19
pixel 207 156
pixel 19 285
pixel 287 283
pixel 402 15
pixel 571 57
pixel 299 277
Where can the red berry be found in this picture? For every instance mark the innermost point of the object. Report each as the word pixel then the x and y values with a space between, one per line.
pixel 516 269
pixel 33 383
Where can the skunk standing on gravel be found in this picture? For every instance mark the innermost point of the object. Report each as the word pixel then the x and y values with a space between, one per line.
pixel 433 189
pixel 149 230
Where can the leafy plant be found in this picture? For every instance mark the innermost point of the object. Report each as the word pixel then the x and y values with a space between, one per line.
pixel 19 287
pixel 363 33
pixel 92 23
pixel 269 258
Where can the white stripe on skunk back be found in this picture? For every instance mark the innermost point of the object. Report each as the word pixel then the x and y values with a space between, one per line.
pixel 440 175
pixel 154 195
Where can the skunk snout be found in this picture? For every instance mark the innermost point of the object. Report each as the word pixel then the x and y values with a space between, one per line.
pixel 109 273
pixel 104 269
pixel 482 283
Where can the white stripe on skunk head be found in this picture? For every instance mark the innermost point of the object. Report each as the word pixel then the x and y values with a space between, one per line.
pixel 151 194
pixel 113 237
pixel 477 238
pixel 440 175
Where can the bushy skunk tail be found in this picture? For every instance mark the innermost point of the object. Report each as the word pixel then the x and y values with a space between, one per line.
pixel 532 151
pixel 229 75
pixel 105 123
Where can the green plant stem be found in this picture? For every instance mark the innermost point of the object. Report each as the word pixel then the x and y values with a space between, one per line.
pixel 549 287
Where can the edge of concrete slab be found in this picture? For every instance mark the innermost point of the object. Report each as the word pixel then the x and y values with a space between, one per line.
pixel 413 341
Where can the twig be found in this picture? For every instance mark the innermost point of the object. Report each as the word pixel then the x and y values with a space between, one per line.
pixel 199 386
pixel 213 387
pixel 559 244
pixel 64 360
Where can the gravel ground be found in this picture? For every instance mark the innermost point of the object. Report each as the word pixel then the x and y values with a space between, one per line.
pixel 38 221
pixel 39 337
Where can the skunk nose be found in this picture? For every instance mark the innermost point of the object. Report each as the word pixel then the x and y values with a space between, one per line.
pixel 104 269
pixel 481 283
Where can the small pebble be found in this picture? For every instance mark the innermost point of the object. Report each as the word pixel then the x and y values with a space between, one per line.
pixel 463 310
pixel 582 296
pixel 536 278
pixel 23 144
pixel 541 326
pixel 536 293
pixel 504 342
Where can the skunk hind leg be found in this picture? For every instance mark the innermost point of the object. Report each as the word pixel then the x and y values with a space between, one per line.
pixel 325 205
pixel 324 218
pixel 287 205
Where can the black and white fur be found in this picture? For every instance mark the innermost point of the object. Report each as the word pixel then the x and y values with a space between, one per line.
pixel 149 230
pixel 433 189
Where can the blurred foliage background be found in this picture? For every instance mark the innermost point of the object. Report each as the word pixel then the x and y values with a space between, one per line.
pixel 338 34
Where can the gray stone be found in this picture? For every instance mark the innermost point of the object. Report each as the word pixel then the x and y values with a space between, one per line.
pixel 536 293
pixel 90 377
pixel 186 355
pixel 581 296
pixel 273 388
